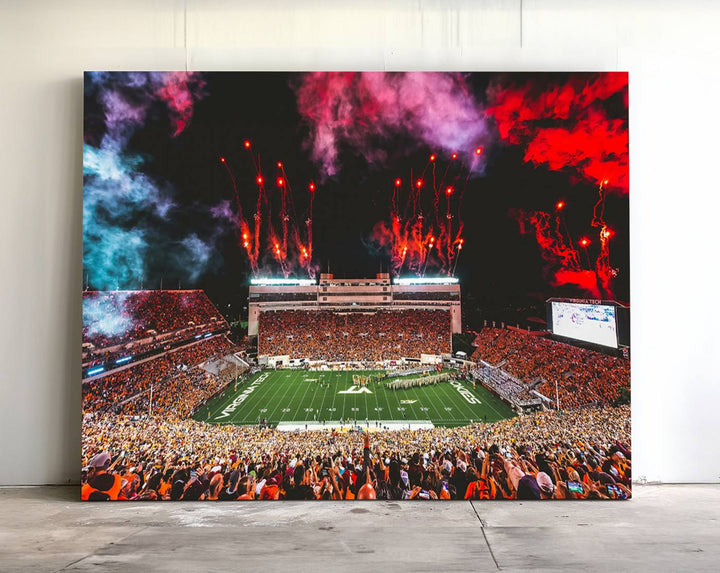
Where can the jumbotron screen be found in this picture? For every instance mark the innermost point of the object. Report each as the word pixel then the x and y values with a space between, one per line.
pixel 584 321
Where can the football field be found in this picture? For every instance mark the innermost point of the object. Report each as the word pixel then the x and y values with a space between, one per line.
pixel 295 396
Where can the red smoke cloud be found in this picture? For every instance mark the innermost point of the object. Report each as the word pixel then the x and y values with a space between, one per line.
pixel 568 127
pixel 585 280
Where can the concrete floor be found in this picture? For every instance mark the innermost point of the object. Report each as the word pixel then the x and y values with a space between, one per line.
pixel 664 528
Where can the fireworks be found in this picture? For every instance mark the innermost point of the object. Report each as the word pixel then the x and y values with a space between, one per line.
pixel 423 232
pixel 563 260
pixel 272 233
pixel 395 155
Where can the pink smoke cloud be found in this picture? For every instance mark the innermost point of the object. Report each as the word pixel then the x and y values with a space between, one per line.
pixel 361 110
pixel 180 90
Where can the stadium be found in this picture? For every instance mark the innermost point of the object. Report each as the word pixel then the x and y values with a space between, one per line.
pixel 466 337
pixel 175 380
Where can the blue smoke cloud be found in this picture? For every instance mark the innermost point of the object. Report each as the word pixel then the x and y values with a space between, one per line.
pixel 105 316
pixel 196 255
pixel 124 208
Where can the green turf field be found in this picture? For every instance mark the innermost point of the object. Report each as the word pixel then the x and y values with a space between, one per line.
pixel 301 395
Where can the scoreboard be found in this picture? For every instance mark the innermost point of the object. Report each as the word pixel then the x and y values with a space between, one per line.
pixel 595 322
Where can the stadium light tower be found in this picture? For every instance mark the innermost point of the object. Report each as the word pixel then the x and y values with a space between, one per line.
pixel 557 395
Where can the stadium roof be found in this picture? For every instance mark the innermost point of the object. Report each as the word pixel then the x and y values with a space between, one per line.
pixel 425 281
pixel 277 281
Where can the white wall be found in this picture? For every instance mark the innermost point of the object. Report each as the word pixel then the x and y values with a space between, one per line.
pixel 671 49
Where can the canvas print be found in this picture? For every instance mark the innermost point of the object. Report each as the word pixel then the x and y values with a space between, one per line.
pixel 355 286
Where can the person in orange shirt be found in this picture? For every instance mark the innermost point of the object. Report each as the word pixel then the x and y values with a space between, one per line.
pixel 483 487
pixel 367 491
pixel 101 485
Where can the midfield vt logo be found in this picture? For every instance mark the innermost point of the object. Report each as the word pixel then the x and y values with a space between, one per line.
pixel 356 390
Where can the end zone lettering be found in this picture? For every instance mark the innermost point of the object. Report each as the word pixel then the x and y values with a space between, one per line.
pixel 464 392
pixel 230 408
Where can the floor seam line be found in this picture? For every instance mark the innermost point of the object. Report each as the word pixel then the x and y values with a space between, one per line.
pixel 95 550
pixel 482 528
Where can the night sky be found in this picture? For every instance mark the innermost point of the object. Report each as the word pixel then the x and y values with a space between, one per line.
pixel 159 203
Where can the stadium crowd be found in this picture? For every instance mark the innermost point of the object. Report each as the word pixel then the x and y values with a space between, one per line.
pixel 129 315
pixel 131 455
pixel 547 455
pixel 177 397
pixel 163 373
pixel 583 377
pixel 378 336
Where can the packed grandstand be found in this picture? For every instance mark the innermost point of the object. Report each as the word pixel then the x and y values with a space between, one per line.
pixel 335 336
pixel 140 441
pixel 136 313
pixel 578 377
pixel 150 340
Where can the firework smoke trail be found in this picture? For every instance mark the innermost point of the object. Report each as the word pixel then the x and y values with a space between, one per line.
pixel 584 242
pixel 308 222
pixel 237 195
pixel 454 244
pixel 300 247
pixel 284 216
pixel 460 243
pixel 274 241
pixel 602 265
pixel 422 232
pixel 364 113
pixel 436 191
pixel 402 237
pixel 563 261
pixel 551 241
pixel 260 180
pixel 250 249
pixel 277 245
pixel 560 221
pixel 281 234
pixel 563 264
